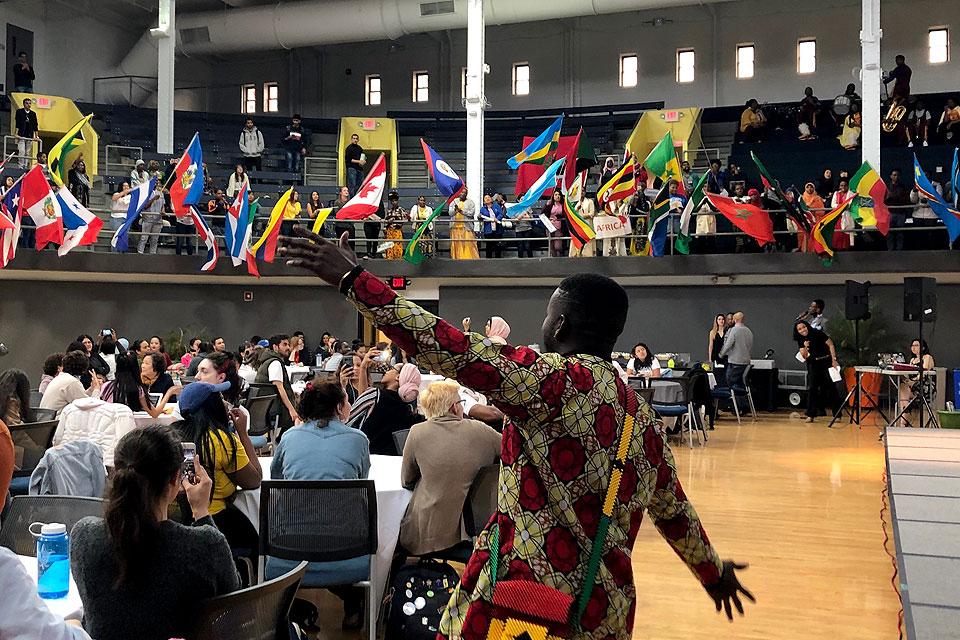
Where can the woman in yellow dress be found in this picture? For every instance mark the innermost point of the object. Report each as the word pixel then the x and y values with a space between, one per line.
pixel 463 242
pixel 395 218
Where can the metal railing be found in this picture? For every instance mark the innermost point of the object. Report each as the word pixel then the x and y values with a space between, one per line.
pixel 412 173
pixel 319 169
pixel 709 154
pixel 25 158
pixel 120 158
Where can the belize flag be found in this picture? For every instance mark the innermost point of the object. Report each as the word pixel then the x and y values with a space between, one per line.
pixel 237 233
pixel 187 185
pixel 9 238
pixel 449 184
pixel 81 225
pixel 40 203
pixel 206 234
pixel 139 198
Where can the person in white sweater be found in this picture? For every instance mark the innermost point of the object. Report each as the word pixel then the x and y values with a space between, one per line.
pixel 66 386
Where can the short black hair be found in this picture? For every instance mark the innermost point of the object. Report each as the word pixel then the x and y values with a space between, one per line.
pixel 52 363
pixel 820 304
pixel 205 347
pixel 278 338
pixel 596 304
pixel 22 53
pixel 296 116
pixel 76 363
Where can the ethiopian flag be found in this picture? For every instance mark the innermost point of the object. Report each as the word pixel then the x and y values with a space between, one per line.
pixel 57 158
pixel 868 206
pixel 662 161
pixel 822 231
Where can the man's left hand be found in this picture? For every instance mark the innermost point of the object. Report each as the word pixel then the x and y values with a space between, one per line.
pixel 329 261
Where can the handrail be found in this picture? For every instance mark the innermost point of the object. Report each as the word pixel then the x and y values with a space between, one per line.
pixel 119 164
pixel 35 145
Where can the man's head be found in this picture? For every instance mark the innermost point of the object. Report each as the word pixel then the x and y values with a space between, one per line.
pixel 76 363
pixel 738 317
pixel 585 314
pixel 951 103
pixel 715 166
pixel 22 57
pixel 249 123
pixel 281 344
pixel 753 104
pixel 463 195
pixel 355 139
pixel 219 344
pixel 685 166
pixel 808 91
pixel 27 103
pixel 895 176
pixel 900 60
pixel 219 194
pixel 817 306
pixel 296 119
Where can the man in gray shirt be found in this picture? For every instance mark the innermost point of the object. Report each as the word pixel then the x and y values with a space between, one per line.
pixel 737 345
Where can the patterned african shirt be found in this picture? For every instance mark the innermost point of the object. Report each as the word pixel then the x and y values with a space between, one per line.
pixel 565 417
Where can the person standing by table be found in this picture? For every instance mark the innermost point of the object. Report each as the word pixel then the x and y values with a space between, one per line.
pixel 818 351
pixel 715 340
pixel 567 404
pixel 912 387
pixel 737 345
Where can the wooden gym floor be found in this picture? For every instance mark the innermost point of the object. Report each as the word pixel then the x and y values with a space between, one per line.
pixel 800 503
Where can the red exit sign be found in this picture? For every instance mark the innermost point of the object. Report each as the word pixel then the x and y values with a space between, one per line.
pixel 399 283
pixel 42 103
pixel 369 124
pixel 672 115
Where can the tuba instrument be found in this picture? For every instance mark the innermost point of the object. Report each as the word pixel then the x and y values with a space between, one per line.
pixel 894 115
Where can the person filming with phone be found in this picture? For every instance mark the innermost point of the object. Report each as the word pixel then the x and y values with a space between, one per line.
pixel 140 574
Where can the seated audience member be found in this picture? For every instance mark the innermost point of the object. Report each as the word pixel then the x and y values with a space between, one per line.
pixel 497 330
pixel 850 134
pixel 154 375
pixel 918 124
pixel 108 353
pixel 139 574
pixel 156 346
pixel 909 388
pixel 141 348
pixel 271 367
pixel 127 388
pixel 202 350
pixel 441 458
pixel 842 103
pixel 193 349
pixel 379 412
pixel 97 364
pixel 66 386
pixel 324 448
pixel 949 126
pixel 808 114
pixel 752 122
pixel 228 455
pixel 643 363
pixel 220 367
pixel 51 367
pixel 15 399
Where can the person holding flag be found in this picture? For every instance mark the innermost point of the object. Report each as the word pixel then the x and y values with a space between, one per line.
pixel 265 248
pixel 450 185
pixel 237 227
pixel 43 208
pixel 138 200
pixel 662 162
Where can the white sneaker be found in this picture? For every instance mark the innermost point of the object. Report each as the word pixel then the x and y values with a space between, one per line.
pixel 910 145
pixel 925 143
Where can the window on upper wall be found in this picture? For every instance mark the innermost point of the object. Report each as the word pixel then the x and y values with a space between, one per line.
pixel 248 98
pixel 372 93
pixel 628 69
pixel 806 55
pixel 421 86
pixel 686 65
pixel 521 79
pixel 745 58
pixel 271 97
pixel 938 40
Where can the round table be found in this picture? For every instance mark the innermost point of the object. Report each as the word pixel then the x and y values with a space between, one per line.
pixel 69 607
pixel 170 415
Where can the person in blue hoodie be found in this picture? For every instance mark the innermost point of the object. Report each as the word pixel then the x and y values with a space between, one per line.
pixel 491 213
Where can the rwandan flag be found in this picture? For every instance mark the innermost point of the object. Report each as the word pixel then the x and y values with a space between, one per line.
pixel 537 151
pixel 544 183
pixel 449 184
pixel 56 159
pixel 266 247
pixel 949 215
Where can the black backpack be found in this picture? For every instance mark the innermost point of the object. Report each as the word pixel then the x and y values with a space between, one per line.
pixel 418 595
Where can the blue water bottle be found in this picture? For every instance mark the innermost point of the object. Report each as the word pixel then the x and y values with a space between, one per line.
pixel 53 561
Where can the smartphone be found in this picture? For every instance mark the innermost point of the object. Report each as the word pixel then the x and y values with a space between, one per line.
pixel 106 332
pixel 187 468
pixel 384 355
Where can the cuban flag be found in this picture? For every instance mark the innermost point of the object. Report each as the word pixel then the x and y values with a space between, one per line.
pixel 10 237
pixel 82 227
pixel 449 184
pixel 139 198
pixel 206 234
pixel 237 233
pixel 41 204
pixel 187 185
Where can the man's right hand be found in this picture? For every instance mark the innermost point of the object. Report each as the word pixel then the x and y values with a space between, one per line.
pixel 728 589
pixel 369 357
pixel 329 261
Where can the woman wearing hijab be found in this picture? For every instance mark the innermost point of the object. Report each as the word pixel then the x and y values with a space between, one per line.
pixel 816 205
pixel 497 330
pixel 379 412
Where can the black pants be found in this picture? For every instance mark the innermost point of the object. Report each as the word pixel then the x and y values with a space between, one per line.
pixel 253 163
pixel 240 534
pixel 185 234
pixel 821 390
pixel 372 232
pixel 524 245
pixel 493 247
pixel 340 227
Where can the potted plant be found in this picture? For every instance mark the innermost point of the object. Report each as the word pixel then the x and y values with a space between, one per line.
pixel 875 336
pixel 176 341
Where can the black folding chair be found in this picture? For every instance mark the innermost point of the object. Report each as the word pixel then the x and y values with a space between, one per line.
pixel 400 440
pixel 25 510
pixel 262 426
pixel 30 441
pixel 684 411
pixel 256 613
pixel 321 521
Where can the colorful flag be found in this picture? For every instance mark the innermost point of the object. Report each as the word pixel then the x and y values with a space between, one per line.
pixel 367 200
pixel 11 237
pixel 209 239
pixel 448 184
pixel 186 187
pixel 41 204
pixel 750 219
pixel 236 234
pixel 570 171
pixel 322 215
pixel 822 232
pixel 797 210
pixel 949 215
pixel 581 231
pixel 955 177
pixel 266 247
pixel 622 185
pixel 537 151
pixel 544 183
pixel 82 226
pixel 659 217
pixel 868 206
pixel 139 198
pixel 57 158
pixel 694 202
pixel 662 161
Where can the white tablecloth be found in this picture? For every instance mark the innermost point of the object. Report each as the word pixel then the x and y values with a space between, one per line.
pixel 171 414
pixel 69 606
pixel 392 501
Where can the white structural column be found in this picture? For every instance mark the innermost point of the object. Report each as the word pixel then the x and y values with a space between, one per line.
pixel 166 35
pixel 870 35
pixel 476 99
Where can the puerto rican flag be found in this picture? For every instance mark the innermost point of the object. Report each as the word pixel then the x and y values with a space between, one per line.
pixel 237 232
pixel 206 234
pixel 82 226
pixel 187 185
pixel 39 202
pixel 367 201
pixel 10 237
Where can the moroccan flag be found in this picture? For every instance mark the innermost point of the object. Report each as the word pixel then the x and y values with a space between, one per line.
pixel 537 151
pixel 694 202
pixel 662 161
pixel 868 206
pixel 41 204
pixel 367 199
pixel 750 219
pixel 659 219
pixel 796 210
pixel 822 231
pixel 266 247
pixel 57 158
pixel 622 185
pixel 581 231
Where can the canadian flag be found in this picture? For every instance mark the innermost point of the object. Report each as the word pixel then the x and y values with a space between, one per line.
pixel 41 204
pixel 82 225
pixel 367 201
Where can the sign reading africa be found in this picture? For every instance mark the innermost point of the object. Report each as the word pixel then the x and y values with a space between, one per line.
pixel 611 226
